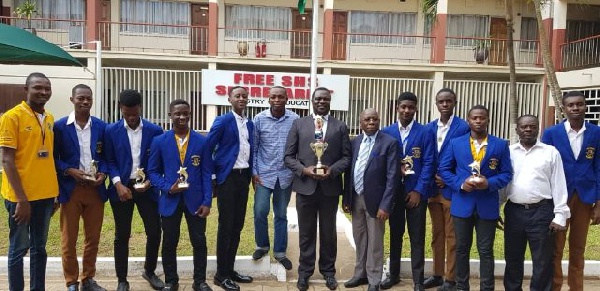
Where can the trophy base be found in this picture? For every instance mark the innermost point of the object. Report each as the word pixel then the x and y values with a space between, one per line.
pixel 183 185
pixel 475 179
pixel 139 186
pixel 319 171
pixel 89 178
pixel 409 172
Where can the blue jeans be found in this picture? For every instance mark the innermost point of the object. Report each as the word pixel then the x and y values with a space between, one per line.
pixel 32 236
pixel 281 198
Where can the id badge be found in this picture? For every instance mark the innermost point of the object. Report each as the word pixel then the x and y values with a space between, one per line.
pixel 42 153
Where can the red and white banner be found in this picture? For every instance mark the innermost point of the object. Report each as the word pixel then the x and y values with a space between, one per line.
pixel 216 84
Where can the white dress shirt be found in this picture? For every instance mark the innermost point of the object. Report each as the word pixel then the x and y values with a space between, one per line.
pixel 404 132
pixel 539 175
pixel 325 122
pixel 244 155
pixel 442 131
pixel 135 142
pixel 575 138
pixel 84 137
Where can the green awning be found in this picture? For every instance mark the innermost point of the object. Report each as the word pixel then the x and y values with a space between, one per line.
pixel 18 46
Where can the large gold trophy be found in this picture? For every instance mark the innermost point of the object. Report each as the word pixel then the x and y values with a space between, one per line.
pixel 319 148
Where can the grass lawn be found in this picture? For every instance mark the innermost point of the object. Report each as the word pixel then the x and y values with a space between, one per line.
pixel 246 247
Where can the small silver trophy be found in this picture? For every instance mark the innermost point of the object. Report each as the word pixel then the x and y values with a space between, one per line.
pixel 475 171
pixel 92 171
pixel 408 165
pixel 183 177
pixel 140 179
pixel 319 148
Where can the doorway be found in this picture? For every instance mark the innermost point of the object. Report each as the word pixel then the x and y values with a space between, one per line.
pixel 301 35
pixel 199 29
pixel 340 36
pixel 498 45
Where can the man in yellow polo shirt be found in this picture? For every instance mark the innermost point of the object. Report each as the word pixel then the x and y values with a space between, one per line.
pixel 29 183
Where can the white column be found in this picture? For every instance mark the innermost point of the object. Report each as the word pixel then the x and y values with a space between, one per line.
pixel 560 14
pixel 211 110
pixel 438 84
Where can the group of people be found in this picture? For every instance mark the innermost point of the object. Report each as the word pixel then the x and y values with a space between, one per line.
pixel 452 167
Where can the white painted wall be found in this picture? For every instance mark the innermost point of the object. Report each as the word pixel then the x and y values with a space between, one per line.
pixel 63 79
pixel 586 78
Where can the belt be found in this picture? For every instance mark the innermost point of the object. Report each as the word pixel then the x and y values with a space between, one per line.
pixel 533 205
pixel 240 171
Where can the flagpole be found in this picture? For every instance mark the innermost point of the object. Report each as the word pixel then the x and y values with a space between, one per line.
pixel 314 48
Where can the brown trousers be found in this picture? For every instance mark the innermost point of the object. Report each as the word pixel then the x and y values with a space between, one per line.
pixel 85 203
pixel 577 226
pixel 443 242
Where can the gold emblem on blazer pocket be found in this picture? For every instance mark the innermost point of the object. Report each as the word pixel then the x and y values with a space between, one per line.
pixel 99 147
pixel 589 152
pixel 416 152
pixel 196 160
pixel 493 164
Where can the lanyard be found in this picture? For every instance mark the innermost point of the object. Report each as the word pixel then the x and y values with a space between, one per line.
pixel 182 146
pixel 35 115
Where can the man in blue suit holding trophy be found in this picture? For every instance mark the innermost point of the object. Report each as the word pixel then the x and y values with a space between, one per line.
pixel 180 166
pixel 127 150
pixel 475 167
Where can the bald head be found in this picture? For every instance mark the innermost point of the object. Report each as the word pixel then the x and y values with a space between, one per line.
pixel 369 121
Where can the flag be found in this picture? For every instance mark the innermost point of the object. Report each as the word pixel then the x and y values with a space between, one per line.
pixel 301 5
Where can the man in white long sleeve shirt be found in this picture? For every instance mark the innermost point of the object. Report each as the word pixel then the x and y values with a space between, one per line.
pixel 536 207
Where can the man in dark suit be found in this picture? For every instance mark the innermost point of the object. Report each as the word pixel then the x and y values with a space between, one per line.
pixel 231 139
pixel 418 145
pixel 475 201
pixel 369 191
pixel 127 150
pixel 79 159
pixel 578 143
pixel 443 243
pixel 182 155
pixel 317 192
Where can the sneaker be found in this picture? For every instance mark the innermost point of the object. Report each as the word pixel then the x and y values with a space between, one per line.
pixel 285 262
pixel 259 254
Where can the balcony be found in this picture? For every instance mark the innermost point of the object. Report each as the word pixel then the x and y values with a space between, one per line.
pixel 62 32
pixel 462 50
pixel 581 54
pixel 382 47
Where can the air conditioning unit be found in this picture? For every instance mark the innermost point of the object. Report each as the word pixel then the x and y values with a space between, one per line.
pixel 76 36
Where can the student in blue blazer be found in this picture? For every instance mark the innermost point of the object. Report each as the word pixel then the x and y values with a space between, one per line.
pixel 172 154
pixel 78 152
pixel 127 149
pixel 475 202
pixel 417 143
pixel 231 139
pixel 443 243
pixel 578 143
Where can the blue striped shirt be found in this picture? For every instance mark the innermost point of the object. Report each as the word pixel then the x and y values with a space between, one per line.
pixel 270 135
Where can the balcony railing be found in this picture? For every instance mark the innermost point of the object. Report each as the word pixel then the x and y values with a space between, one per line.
pixel 266 43
pixel 62 32
pixel 382 47
pixel 462 50
pixel 582 53
pixel 153 38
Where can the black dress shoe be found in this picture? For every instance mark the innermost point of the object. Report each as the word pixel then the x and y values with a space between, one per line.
pixel 73 287
pixel 237 277
pixel 302 283
pixel 155 281
pixel 171 287
pixel 355 282
pixel 373 288
pixel 433 281
pixel 331 282
pixel 285 262
pixel 201 287
pixel 419 287
pixel 448 286
pixel 123 286
pixel 389 282
pixel 226 284
pixel 259 254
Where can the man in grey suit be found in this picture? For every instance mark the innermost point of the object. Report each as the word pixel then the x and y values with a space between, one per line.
pixel 369 193
pixel 317 192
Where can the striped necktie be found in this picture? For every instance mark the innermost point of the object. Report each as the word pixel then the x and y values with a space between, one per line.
pixel 361 164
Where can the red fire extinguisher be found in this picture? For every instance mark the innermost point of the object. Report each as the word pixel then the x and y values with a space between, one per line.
pixel 261 49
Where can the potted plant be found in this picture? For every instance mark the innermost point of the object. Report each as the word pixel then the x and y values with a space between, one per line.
pixel 25 11
pixel 481 50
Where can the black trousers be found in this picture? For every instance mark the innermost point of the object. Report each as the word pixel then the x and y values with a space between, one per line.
pixel 171 230
pixel 415 221
pixel 528 226
pixel 486 233
pixel 232 200
pixel 396 222
pixel 311 208
pixel 123 212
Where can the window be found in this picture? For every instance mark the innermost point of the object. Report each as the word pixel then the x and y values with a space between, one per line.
pixel 578 29
pixel 257 22
pixel 529 33
pixel 392 28
pixel 158 17
pixel 55 9
pixel 461 28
